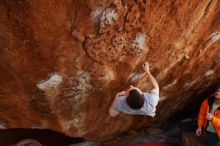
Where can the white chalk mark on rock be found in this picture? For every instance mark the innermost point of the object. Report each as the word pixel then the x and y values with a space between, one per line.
pixel 108 16
pixel 209 73
pixel 51 85
pixel 139 41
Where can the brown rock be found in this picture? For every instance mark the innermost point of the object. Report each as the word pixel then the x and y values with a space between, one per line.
pixel 191 139
pixel 78 35
pixel 27 142
pixel 54 81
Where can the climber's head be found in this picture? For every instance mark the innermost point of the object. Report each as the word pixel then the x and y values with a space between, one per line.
pixel 135 98
pixel 217 92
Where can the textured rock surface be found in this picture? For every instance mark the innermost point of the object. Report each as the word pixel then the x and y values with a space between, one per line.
pixel 28 142
pixel 62 61
pixel 191 139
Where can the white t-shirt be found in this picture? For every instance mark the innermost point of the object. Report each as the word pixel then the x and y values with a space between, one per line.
pixel 149 108
pixel 210 127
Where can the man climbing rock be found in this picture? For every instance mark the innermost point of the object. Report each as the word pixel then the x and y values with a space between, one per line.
pixel 134 101
pixel 209 119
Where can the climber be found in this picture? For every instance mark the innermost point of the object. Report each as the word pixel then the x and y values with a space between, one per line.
pixel 209 119
pixel 135 102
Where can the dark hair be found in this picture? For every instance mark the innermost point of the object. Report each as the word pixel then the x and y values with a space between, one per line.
pixel 135 100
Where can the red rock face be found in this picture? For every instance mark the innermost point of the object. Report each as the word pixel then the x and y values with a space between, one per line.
pixel 62 61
